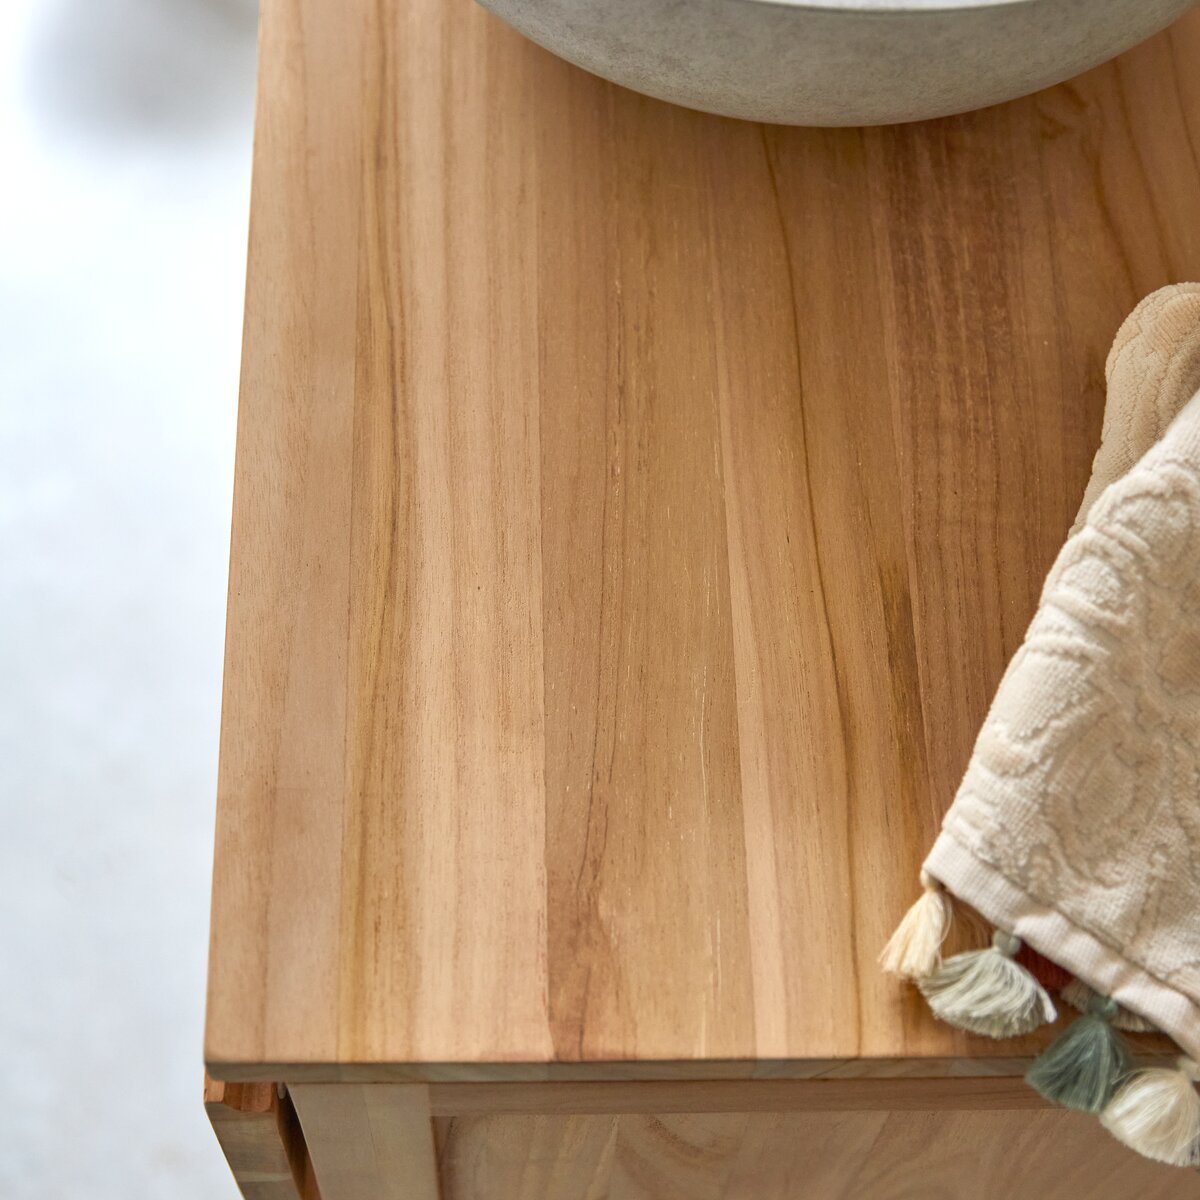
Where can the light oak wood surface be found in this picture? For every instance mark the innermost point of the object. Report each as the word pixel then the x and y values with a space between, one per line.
pixel 635 511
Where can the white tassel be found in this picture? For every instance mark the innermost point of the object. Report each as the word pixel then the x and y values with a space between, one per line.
pixel 914 951
pixel 1077 994
pixel 1157 1113
pixel 984 991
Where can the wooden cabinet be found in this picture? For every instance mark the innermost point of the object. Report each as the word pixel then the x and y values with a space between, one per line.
pixel 635 511
pixel 782 1140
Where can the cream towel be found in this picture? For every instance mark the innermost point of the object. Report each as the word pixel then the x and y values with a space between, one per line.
pixel 1077 826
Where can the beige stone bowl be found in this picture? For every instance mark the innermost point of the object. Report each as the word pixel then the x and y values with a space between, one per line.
pixel 837 62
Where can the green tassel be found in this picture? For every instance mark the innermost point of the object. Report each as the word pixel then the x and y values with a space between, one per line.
pixel 1080 1069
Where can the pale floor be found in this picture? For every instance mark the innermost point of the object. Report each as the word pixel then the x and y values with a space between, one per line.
pixel 124 176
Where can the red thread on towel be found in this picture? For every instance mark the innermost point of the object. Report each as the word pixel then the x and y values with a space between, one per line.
pixel 1049 974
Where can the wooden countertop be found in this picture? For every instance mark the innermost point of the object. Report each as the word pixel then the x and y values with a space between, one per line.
pixel 635 511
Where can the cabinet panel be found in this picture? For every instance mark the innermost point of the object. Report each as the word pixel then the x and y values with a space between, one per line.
pixel 1050 1154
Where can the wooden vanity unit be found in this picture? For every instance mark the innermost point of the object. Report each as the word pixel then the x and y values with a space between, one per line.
pixel 635 511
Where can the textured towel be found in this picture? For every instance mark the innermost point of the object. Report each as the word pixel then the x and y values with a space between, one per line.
pixel 1076 829
pixel 1077 826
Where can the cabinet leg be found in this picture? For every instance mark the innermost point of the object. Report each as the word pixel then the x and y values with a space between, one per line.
pixel 259 1133
pixel 369 1141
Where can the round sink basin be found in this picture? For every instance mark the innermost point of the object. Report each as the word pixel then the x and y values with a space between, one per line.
pixel 837 62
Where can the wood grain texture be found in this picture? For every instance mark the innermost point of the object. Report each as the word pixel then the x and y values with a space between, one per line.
pixel 635 512
pixel 691 1141
pixel 261 1139
pixel 1051 1154
pixel 277 878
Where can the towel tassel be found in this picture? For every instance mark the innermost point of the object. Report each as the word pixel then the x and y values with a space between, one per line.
pixel 1157 1113
pixel 1080 1069
pixel 914 951
pixel 984 991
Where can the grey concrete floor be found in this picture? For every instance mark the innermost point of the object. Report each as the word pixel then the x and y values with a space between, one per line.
pixel 125 130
